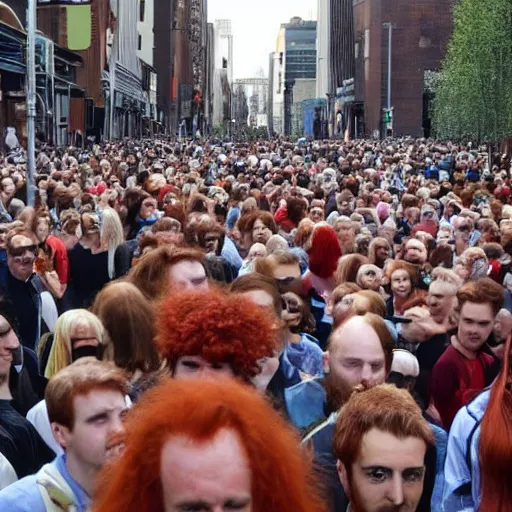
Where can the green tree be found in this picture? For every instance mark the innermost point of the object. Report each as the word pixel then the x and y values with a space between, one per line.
pixel 474 93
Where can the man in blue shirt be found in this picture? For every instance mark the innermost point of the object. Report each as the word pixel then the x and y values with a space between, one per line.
pixel 86 407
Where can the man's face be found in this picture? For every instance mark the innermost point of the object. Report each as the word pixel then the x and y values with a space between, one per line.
pixel 9 343
pixel 388 474
pixel 8 187
pixel 440 301
pixel 475 325
pixel 345 232
pixel 148 208
pixel 214 475
pixel 95 436
pixel 382 253
pixel 21 256
pixel 371 280
pixel 188 275
pixel 196 367
pixel 356 354
pixel 416 253
pixel 287 275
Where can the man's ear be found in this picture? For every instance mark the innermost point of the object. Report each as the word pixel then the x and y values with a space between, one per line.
pixel 61 434
pixel 343 476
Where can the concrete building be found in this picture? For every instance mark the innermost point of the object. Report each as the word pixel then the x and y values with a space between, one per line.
pixel 276 85
pixel 163 57
pixel 222 76
pixel 419 35
pixel 300 65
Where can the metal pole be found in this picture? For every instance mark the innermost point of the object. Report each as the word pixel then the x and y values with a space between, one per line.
pixel 390 37
pixel 31 99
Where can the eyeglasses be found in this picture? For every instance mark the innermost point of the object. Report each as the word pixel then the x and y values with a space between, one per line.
pixel 20 251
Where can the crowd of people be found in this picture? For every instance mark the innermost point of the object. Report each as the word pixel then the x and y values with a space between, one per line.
pixel 207 326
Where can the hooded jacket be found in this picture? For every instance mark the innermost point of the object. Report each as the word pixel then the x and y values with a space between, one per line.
pixel 462 467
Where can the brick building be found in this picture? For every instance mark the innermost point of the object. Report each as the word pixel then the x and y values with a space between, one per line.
pixel 420 32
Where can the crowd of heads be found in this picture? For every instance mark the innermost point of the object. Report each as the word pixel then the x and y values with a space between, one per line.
pixel 185 325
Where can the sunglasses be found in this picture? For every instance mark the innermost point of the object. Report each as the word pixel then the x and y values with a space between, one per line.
pixel 20 251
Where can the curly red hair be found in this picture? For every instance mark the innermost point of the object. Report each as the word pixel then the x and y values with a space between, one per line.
pixel 281 475
pixel 220 327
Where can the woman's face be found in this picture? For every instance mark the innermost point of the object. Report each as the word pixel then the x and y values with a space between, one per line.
pixel 42 229
pixel 260 232
pixel 401 284
pixel 382 253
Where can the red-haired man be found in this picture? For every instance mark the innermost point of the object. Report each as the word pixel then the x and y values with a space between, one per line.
pixel 381 443
pixel 86 407
pixel 207 446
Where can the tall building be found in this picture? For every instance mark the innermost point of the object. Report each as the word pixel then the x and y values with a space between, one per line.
pixel 335 61
pixel 222 76
pixel 417 34
pixel 299 66
pixel 276 85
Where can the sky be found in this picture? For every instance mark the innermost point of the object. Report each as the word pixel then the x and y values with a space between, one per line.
pixel 255 25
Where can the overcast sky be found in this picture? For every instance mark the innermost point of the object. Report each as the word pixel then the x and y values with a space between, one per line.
pixel 255 25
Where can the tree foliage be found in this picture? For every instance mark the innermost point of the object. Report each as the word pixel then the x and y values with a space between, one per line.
pixel 474 93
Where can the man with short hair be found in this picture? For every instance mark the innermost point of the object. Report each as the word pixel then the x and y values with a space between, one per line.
pixel 35 308
pixel 360 353
pixel 86 407
pixel 467 366
pixel 381 442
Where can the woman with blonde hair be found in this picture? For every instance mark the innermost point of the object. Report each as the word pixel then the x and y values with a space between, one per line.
pixel 93 259
pixel 78 333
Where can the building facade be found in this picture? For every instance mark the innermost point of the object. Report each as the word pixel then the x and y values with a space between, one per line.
pixel 417 33
pixel 300 65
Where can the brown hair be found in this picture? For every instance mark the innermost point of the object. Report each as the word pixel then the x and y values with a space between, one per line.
pixel 376 303
pixel 385 408
pixel 151 274
pixel 80 378
pixel 482 291
pixel 375 244
pixel 342 290
pixel 253 281
pixel 129 322
pixel 348 266
pixel 402 265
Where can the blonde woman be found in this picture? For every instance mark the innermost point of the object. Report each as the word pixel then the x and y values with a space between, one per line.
pixel 78 333
pixel 92 260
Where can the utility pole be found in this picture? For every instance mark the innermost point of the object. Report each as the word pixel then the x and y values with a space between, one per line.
pixel 31 98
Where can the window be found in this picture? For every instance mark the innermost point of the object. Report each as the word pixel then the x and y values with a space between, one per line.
pixel 142 6
pixel 140 42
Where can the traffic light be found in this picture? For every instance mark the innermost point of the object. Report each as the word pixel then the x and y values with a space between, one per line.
pixel 388 121
pixel 388 115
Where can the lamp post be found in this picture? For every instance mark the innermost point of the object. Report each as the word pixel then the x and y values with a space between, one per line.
pixel 31 98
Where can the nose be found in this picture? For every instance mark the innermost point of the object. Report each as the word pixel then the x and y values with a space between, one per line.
pixel 11 342
pixel 396 491
pixel 117 426
pixel 366 373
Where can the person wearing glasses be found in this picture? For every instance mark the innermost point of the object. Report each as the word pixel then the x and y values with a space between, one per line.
pixel 35 307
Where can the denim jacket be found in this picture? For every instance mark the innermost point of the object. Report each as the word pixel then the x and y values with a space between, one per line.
pixel 462 469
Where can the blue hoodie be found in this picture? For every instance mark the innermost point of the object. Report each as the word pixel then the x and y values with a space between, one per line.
pixel 462 468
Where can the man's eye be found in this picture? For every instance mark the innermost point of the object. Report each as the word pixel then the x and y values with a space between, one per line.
pixel 377 475
pixel 191 365
pixel 414 475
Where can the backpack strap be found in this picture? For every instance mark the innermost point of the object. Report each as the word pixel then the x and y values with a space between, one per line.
pixel 465 490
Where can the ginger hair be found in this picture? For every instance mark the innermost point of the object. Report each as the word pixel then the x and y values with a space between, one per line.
pixel 220 327
pixel 385 408
pixel 280 472
pixel 495 448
